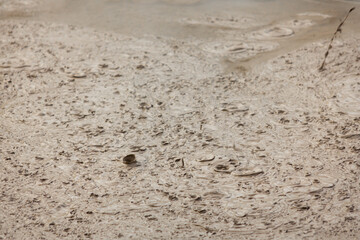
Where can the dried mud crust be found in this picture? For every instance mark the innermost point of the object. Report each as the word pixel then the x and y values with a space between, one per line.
pixel 270 154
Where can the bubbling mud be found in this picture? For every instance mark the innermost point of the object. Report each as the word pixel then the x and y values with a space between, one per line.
pixel 119 121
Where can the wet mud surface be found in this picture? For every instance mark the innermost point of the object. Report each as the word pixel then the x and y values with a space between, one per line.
pixel 109 136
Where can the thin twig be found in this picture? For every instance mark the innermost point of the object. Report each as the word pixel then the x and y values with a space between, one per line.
pixel 333 37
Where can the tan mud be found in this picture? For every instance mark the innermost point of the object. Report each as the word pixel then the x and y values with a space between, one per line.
pixel 270 154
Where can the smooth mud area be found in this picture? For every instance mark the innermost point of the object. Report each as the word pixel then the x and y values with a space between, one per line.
pixel 241 31
pixel 179 119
